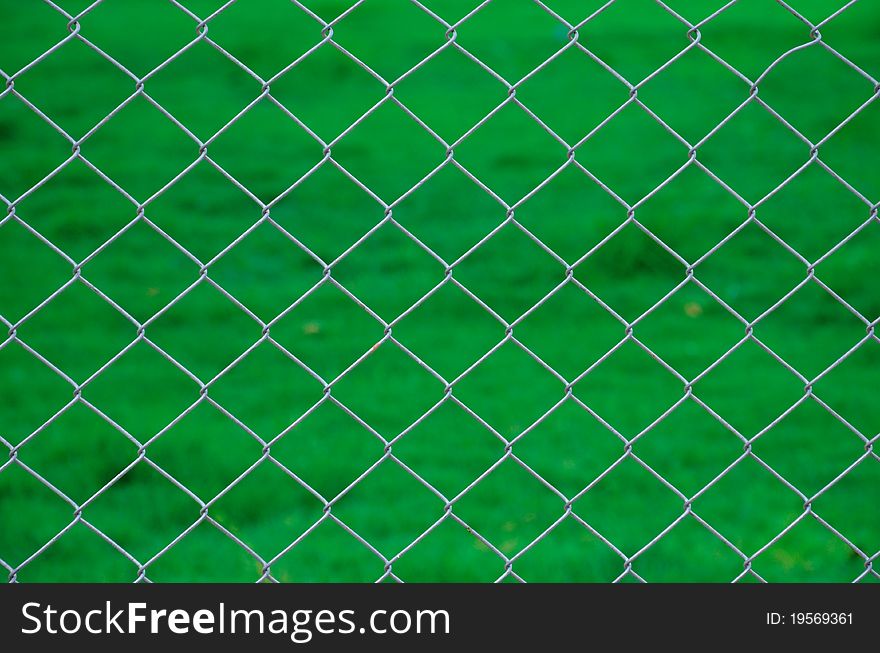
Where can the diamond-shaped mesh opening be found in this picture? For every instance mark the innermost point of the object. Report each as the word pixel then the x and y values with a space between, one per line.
pixel 851 30
pixel 23 253
pixel 692 213
pixel 752 35
pixel 449 213
pixel 76 87
pixel 694 94
pixel 570 214
pixel 809 447
pixel 570 331
pixel 76 210
pixel 205 465
pixel 30 393
pixel 266 150
pixel 749 506
pixel 704 330
pixel 631 272
pixel 509 507
pixel 388 271
pixel 464 558
pixel 267 509
pixel 689 447
pixel 39 148
pixel 570 553
pixel 180 88
pixel 512 38
pixel 79 556
pixel 141 166
pixel 710 559
pixel 852 152
pixel 748 291
pixel 204 331
pixel 827 330
pixel 142 512
pixel 307 449
pixel 813 212
pixel 42 514
pixel 331 109
pixel 248 270
pixel 510 272
pixel 573 94
pixel 449 331
pixel 328 553
pixel 101 333
pixel 848 388
pixel 281 382
pixel 162 272
pixel 753 152
pixel 629 506
pixel 41 27
pixel 449 448
pixel 327 212
pixel 388 377
pixel 569 448
pixel 604 33
pixel 371 33
pixel 328 331
pixel 109 26
pixel 846 270
pixel 468 93
pixel 361 509
pixel 809 551
pixel 243 29
pixel 849 504
pixel 205 553
pixel 660 153
pixel 388 151
pixel 79 451
pixel 630 371
pixel 843 90
pixel 510 153
pixel 729 384
pixel 203 211
pixel 510 390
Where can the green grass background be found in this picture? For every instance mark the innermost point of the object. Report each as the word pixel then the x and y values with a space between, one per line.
pixel 141 271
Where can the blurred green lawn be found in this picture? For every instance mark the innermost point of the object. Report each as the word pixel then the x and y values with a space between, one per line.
pixel 142 392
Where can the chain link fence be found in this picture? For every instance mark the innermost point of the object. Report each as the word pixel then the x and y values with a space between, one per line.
pixel 388 190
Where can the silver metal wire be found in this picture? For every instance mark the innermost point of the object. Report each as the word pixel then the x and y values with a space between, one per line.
pixel 324 30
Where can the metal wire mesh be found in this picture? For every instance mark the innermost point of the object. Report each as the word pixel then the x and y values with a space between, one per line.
pixel 324 157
